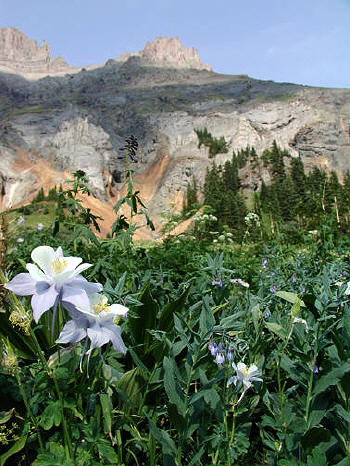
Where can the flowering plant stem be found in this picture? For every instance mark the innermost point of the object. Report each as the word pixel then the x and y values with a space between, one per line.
pixel 51 374
pixel 311 378
pixel 29 411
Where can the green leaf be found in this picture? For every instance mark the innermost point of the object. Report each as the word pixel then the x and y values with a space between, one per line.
pixel 21 344
pixel 133 383
pixel 257 316
pixel 168 445
pixel 342 413
pixel 277 329
pixel 165 321
pixel 172 385
pixel 51 415
pixel 332 378
pixel 290 297
pixel 143 318
pixel 346 328
pixel 106 404
pixel 16 447
pixel 107 454
pixel 233 322
pixel 314 437
pixel 206 319
pixel 317 458
pixel 6 415
pixel 197 457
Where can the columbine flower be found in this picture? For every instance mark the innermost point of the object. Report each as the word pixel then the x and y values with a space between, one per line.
pixel 273 289
pixel 264 263
pixel 244 376
pixel 294 278
pixel 20 240
pixel 21 220
pixel 96 322
pixel 54 278
pixel 39 226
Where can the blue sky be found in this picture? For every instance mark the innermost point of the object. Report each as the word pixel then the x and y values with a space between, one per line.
pixel 300 41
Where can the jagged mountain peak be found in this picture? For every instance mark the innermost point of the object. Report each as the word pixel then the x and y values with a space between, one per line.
pixel 167 52
pixel 21 55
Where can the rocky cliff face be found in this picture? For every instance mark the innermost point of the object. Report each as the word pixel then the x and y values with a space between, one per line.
pixel 19 54
pixel 80 120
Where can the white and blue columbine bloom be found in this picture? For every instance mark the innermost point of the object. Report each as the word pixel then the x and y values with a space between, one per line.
pixel 53 278
pixel 244 376
pixel 96 322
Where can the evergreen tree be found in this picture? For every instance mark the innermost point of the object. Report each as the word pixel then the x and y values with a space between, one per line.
pixel 191 196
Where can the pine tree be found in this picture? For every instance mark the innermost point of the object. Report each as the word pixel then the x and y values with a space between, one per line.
pixel 191 196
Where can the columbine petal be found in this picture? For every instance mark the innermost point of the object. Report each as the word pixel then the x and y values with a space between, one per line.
pixel 114 333
pixel 72 332
pixel 73 262
pixel 118 309
pixel 74 295
pixel 81 268
pixel 36 273
pixel 97 337
pixel 43 256
pixel 22 284
pixel 89 287
pixel 43 300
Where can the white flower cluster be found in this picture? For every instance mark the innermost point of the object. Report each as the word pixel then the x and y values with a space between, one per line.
pixel 205 218
pixel 252 219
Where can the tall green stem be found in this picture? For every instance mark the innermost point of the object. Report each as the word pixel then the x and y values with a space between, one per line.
pixel 311 378
pixel 187 390
pixel 30 414
pixel 67 440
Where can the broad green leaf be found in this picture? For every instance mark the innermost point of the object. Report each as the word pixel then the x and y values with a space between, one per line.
pixel 165 321
pixel 290 297
pixel 6 415
pixel 346 327
pixel 317 458
pixel 332 378
pixel 167 443
pixel 172 385
pixel 233 322
pixel 51 415
pixel 257 316
pixel 107 454
pixel 133 383
pixel 143 318
pixel 206 319
pixel 342 413
pixel 106 404
pixel 277 329
pixel 197 457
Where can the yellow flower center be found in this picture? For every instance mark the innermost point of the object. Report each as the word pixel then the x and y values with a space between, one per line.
pixel 245 371
pixel 58 265
pixel 101 306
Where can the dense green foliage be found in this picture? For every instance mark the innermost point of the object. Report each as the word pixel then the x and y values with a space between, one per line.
pixel 216 146
pixel 292 203
pixel 236 354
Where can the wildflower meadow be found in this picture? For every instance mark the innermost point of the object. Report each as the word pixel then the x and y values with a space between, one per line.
pixel 182 352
